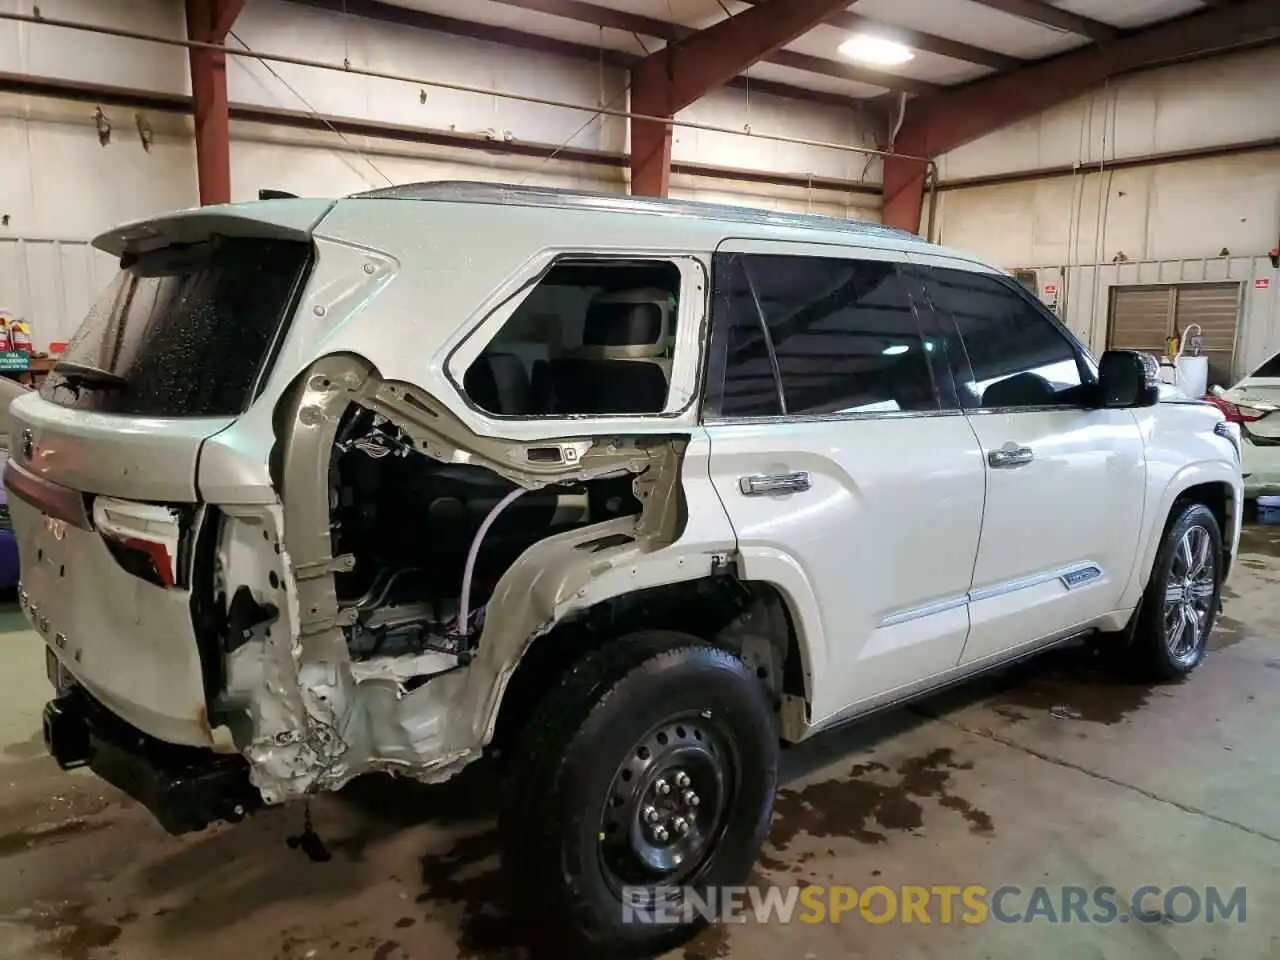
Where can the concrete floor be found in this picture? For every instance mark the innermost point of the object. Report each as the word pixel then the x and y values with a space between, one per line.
pixel 1050 774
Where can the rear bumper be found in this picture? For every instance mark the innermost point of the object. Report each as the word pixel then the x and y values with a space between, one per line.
pixel 185 788
pixel 1261 469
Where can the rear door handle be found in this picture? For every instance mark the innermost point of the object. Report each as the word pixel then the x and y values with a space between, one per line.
pixel 763 485
pixel 1010 455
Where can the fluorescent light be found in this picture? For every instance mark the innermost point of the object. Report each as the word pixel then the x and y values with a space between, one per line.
pixel 877 50
pixel 897 350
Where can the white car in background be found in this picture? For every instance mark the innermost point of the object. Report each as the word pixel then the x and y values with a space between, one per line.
pixel 1252 404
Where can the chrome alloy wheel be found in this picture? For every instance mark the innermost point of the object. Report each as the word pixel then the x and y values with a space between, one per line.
pixel 1188 594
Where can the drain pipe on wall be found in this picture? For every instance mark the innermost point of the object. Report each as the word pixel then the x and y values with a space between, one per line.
pixel 931 188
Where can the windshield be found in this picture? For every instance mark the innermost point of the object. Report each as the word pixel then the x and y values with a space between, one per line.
pixel 182 331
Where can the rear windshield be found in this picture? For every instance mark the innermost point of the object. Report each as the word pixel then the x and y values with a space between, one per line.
pixel 1269 369
pixel 183 331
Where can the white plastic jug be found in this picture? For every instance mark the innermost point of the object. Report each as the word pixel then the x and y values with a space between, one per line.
pixel 1191 373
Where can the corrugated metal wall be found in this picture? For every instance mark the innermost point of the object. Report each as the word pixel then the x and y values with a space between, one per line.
pixel 1089 291
pixel 51 283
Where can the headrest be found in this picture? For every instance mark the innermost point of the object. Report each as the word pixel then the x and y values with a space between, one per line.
pixel 628 324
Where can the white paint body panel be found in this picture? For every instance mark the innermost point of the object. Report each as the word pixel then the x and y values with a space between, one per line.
pixel 888 530
pixel 1078 502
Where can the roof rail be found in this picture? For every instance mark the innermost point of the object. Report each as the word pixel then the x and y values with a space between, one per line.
pixel 472 191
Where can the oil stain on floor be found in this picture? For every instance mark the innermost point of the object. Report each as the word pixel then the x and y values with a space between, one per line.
pixel 1070 685
pixel 67 929
pixel 873 801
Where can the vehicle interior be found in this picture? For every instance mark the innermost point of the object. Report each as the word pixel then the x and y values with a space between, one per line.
pixel 589 339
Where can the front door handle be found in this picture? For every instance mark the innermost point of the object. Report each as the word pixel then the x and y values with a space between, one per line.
pixel 1010 455
pixel 763 485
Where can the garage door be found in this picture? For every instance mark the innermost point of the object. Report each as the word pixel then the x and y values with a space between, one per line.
pixel 1143 318
pixel 1216 308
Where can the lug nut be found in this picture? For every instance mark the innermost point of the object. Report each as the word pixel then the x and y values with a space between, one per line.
pixel 662 787
pixel 660 834
pixel 681 825
pixel 650 815
pixel 682 779
pixel 690 798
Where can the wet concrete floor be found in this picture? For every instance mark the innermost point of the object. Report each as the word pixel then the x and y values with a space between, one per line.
pixel 1053 773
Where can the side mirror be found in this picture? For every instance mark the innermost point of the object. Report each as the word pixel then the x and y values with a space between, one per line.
pixel 1128 379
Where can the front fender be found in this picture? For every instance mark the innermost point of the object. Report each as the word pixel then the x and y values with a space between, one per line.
pixel 1160 506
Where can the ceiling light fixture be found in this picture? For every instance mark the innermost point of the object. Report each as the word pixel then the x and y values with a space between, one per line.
pixel 876 50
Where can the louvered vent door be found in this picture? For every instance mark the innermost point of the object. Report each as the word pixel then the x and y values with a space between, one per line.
pixel 1216 308
pixel 1141 319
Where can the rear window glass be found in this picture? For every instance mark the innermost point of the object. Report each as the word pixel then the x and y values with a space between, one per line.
pixel 183 331
pixel 1269 369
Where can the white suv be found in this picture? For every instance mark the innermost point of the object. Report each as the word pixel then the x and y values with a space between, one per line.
pixel 626 490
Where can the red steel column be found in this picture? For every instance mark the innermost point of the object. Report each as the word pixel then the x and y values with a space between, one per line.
pixel 208 21
pixel 667 81
pixel 944 121
pixel 903 193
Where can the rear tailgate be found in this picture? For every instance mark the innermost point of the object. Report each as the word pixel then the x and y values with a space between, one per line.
pixel 102 478
pixel 129 642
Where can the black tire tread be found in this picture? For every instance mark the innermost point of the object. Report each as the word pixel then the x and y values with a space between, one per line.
pixel 1145 658
pixel 529 835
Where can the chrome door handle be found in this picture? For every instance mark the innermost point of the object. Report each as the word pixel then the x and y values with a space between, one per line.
pixel 764 484
pixel 1010 455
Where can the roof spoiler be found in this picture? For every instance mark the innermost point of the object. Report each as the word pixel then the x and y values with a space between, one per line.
pixel 276 218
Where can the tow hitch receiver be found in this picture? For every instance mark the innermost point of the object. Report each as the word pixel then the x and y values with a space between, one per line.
pixel 185 788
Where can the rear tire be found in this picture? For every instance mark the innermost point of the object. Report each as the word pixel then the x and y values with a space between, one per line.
pixel 651 767
pixel 1180 604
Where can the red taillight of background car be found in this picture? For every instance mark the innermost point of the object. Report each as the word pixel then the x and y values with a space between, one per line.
pixel 1234 412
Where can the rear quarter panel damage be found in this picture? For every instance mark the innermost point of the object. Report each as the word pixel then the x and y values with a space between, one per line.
pixel 316 719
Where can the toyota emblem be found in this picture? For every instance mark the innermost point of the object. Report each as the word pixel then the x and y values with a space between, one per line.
pixel 28 445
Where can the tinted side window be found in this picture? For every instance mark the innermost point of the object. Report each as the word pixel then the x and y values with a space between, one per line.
pixel 839 336
pixel 1016 356
pixel 591 338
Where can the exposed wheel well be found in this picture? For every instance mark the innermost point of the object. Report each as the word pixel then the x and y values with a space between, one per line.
pixel 750 619
pixel 1220 499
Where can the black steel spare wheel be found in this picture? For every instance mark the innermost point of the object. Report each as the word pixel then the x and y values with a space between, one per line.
pixel 667 802
pixel 647 775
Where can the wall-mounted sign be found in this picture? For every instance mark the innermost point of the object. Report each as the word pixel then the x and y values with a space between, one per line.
pixel 1050 289
pixel 11 360
pixel 1262 283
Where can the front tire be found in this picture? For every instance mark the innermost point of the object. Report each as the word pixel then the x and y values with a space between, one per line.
pixel 1180 604
pixel 648 772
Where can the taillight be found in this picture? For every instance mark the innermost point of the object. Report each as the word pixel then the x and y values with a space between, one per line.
pixel 144 538
pixel 1236 413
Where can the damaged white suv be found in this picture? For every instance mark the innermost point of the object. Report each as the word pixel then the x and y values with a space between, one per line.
pixel 630 490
